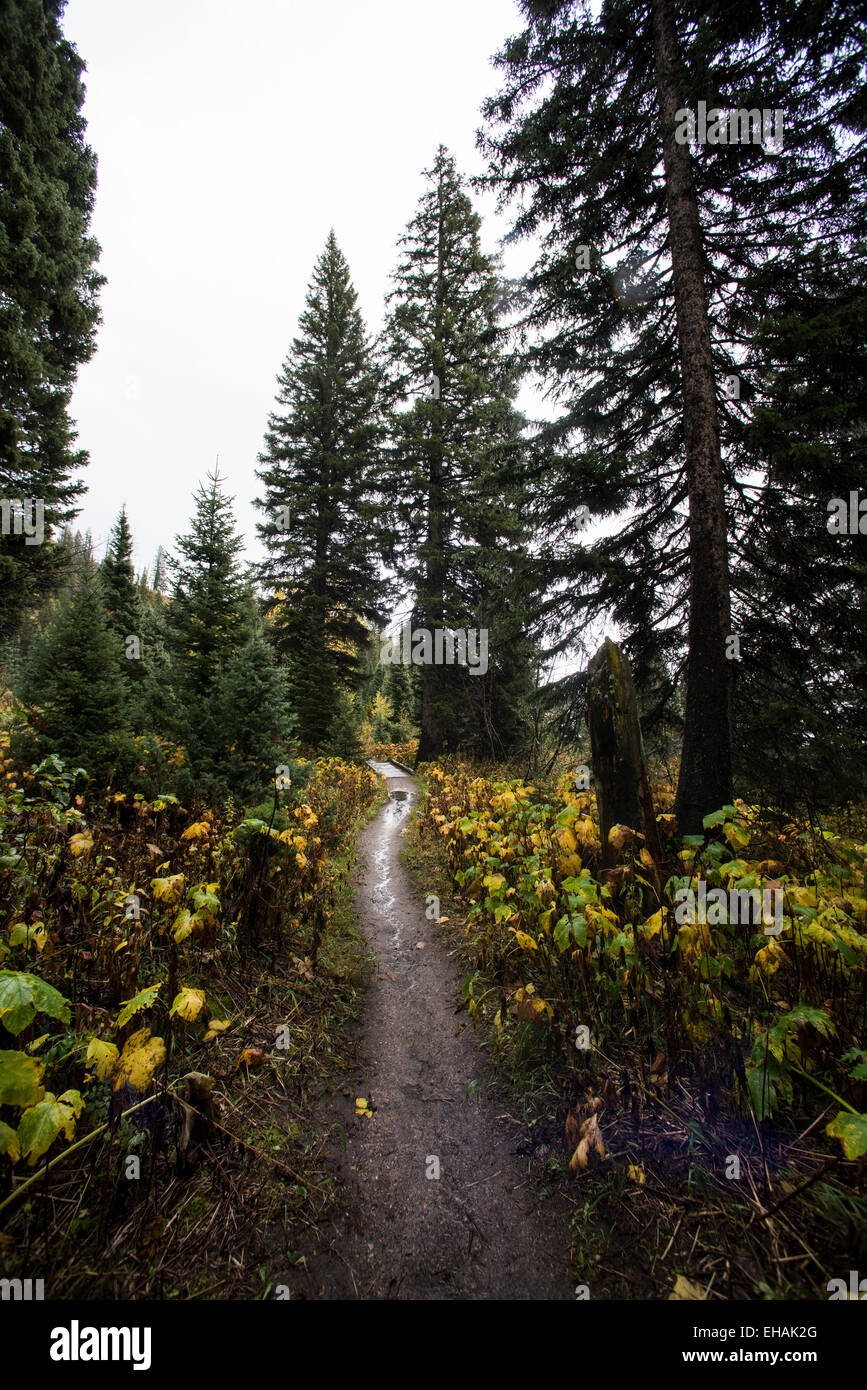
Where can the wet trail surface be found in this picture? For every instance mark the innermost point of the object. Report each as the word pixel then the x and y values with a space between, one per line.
pixel 482 1229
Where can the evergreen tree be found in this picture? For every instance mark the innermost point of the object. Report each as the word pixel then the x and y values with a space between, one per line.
pixel 253 714
pixel 74 685
pixel 651 285
pixel 159 580
pixel 801 600
pixel 342 739
pixel 457 459
pixel 48 284
pixel 208 616
pixel 122 602
pixel 320 498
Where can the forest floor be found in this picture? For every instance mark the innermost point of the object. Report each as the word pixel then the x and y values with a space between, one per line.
pixel 433 1197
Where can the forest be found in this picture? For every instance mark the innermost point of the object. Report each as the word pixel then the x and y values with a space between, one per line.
pixel 497 813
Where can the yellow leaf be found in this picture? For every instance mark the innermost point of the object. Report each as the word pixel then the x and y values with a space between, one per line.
pixel 140 1058
pixel 523 940
pixel 736 835
pixel 168 890
pixel 635 1174
pixel 101 1058
pixel 188 1003
pixel 182 927
pixel 81 843
pixel 493 881
pixel 216 1027
pixel 685 1289
pixel 198 831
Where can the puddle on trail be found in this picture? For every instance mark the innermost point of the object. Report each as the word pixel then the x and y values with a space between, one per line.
pixel 391 825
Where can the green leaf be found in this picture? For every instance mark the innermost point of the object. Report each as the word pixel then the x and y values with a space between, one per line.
pixel 737 836
pixel 804 1013
pixel 205 904
pixel 41 1124
pixel 9 1142
pixel 22 996
pixel 716 818
pixel 143 1000
pixel 851 1130
pixel 20 1078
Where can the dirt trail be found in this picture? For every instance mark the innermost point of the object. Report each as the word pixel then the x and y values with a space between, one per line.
pixel 482 1230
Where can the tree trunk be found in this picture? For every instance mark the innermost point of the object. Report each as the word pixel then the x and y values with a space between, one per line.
pixel 622 789
pixel 430 744
pixel 705 781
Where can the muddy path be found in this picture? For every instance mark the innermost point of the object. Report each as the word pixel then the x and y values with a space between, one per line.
pixel 482 1229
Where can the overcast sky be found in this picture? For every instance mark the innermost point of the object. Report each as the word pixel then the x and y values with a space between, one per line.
pixel 230 139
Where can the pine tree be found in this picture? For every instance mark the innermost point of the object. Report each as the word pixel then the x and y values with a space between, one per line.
pixel 209 614
pixel 802 592
pixel 48 284
pixel 74 684
pixel 254 716
pixel 320 498
pixel 457 456
pixel 118 581
pixel 648 293
pixel 342 739
pixel 159 580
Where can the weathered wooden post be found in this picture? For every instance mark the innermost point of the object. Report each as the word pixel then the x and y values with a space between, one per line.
pixel 619 772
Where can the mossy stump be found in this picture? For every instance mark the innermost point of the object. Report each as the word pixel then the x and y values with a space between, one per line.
pixel 619 771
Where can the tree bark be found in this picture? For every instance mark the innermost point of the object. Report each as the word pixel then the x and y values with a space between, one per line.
pixel 705 781
pixel 430 744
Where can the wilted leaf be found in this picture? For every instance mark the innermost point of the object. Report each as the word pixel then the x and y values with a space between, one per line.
pixel 251 1057
pixel 80 844
pixel 590 1141
pixel 635 1173
pixel 619 836
pixel 20 1078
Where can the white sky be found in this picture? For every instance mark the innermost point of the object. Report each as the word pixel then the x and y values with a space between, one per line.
pixel 230 139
